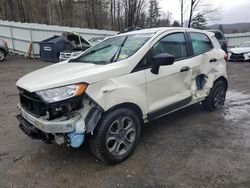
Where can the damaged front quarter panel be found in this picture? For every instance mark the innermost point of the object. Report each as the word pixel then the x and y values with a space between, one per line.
pixel 92 118
pixel 91 114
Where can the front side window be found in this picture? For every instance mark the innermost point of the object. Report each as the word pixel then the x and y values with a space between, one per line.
pixel 114 49
pixel 173 44
pixel 201 43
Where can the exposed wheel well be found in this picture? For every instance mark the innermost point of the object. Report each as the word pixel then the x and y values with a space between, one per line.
pixel 222 78
pixel 3 50
pixel 131 106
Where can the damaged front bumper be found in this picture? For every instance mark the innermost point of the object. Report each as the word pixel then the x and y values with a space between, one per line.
pixel 62 130
pixel 54 126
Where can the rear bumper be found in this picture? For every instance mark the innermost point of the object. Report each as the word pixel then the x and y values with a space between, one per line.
pixel 54 126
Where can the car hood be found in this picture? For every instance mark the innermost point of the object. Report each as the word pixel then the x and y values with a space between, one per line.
pixel 62 74
pixel 240 50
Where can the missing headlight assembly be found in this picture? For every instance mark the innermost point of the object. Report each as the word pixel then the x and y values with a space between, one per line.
pixel 65 121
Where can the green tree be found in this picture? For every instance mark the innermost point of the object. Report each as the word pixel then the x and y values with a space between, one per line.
pixel 154 13
pixel 199 22
pixel 176 24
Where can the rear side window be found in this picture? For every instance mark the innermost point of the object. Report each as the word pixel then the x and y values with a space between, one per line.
pixel 215 42
pixel 173 44
pixel 201 43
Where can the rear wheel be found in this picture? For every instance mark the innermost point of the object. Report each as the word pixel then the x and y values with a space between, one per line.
pixel 216 98
pixel 116 136
pixel 2 55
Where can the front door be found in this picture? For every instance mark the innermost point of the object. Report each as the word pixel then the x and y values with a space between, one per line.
pixel 171 88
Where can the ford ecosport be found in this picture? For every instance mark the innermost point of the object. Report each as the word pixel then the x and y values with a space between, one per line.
pixel 109 91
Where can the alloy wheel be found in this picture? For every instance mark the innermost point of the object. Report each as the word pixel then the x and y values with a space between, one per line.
pixel 121 136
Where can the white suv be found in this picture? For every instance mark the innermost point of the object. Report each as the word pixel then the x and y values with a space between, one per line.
pixel 114 87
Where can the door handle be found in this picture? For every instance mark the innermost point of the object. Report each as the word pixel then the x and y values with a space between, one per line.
pixel 186 68
pixel 212 60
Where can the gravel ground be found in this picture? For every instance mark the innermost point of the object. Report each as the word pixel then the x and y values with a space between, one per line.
pixel 189 148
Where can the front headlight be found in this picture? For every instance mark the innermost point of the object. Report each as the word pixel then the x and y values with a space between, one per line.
pixel 62 93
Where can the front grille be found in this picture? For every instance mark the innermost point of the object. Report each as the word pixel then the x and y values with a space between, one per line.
pixel 65 55
pixel 32 103
pixel 237 56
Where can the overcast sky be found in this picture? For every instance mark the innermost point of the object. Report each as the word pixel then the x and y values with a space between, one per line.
pixel 231 11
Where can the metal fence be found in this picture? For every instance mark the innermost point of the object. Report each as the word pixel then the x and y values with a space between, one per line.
pixel 20 35
pixel 236 39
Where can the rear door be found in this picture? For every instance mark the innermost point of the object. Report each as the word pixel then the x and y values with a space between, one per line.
pixel 207 59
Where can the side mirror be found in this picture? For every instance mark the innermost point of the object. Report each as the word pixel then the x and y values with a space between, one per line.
pixel 161 60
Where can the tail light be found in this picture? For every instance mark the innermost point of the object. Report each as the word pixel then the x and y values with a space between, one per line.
pixel 226 57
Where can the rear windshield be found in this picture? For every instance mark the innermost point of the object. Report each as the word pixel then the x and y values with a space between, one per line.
pixel 218 35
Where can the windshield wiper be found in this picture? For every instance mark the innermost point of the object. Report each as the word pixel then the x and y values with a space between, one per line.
pixel 115 56
pixel 98 49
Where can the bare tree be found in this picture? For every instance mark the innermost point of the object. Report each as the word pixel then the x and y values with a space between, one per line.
pixel 201 8
pixel 193 5
pixel 133 9
pixel 99 14
pixel 182 13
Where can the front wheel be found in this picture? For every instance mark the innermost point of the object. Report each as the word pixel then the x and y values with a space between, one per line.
pixel 116 136
pixel 216 98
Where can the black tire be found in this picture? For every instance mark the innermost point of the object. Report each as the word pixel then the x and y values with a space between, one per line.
pixel 216 98
pixel 2 55
pixel 109 138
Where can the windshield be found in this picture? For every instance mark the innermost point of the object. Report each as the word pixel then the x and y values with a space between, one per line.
pixel 114 49
pixel 246 44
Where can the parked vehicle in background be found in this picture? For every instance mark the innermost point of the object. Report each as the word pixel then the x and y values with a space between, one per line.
pixel 4 50
pixel 78 43
pixel 129 29
pixel 240 53
pixel 221 38
pixel 108 92
pixel 96 40
pixel 67 54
